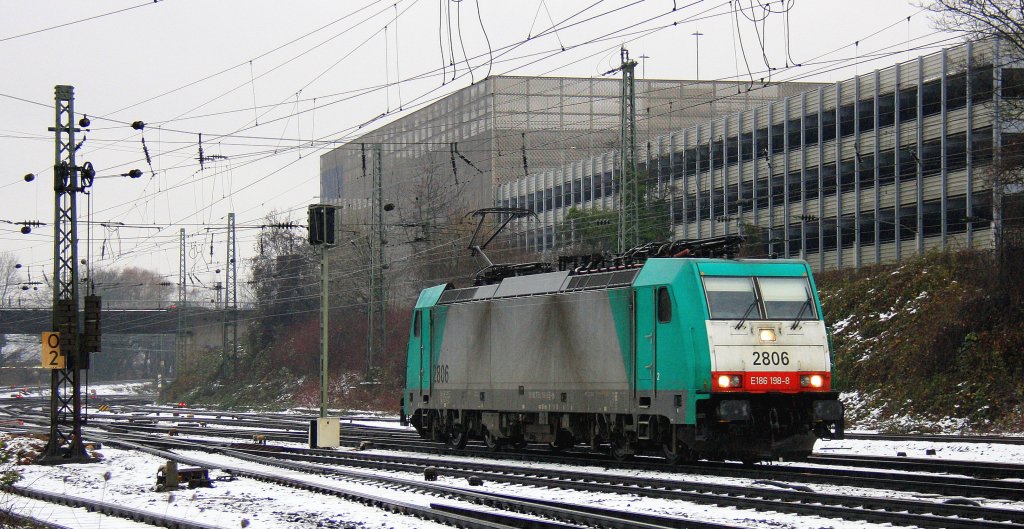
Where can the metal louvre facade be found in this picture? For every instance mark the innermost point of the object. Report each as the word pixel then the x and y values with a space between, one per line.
pixel 446 158
pixel 886 164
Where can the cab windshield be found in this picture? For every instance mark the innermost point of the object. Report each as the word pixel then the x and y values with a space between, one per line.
pixel 771 298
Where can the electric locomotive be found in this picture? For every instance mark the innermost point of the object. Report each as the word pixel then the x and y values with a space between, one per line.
pixel 674 350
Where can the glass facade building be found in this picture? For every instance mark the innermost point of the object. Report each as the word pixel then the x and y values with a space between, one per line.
pixel 447 158
pixel 867 170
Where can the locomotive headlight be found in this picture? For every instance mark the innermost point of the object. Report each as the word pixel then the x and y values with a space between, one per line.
pixel 814 381
pixel 729 381
pixel 766 335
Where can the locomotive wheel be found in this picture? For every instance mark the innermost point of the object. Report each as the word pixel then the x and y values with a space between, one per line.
pixel 519 443
pixel 563 441
pixel 620 448
pixel 682 454
pixel 438 432
pixel 417 423
pixel 493 443
pixel 458 436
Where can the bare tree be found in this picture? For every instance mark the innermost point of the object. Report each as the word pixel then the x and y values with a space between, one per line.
pixel 8 278
pixel 982 19
pixel 132 288
pixel 1002 20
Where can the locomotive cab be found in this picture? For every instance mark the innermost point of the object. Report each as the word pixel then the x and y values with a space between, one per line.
pixel 771 367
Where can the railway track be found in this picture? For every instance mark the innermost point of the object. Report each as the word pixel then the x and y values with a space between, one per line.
pixel 766 498
pixel 986 482
pixel 772 495
pixel 511 507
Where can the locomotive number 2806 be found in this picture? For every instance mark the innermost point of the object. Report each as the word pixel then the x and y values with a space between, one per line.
pixel 441 373
pixel 774 358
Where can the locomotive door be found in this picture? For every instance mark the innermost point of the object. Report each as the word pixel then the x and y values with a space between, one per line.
pixel 426 365
pixel 644 365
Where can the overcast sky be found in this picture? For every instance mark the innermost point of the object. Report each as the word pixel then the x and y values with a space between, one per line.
pixel 310 72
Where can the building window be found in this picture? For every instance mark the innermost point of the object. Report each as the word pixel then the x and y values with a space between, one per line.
pixel 691 162
pixel 716 154
pixel 828 179
pixel 810 129
pixel 908 104
pixel 747 146
pixel 908 222
pixel 931 157
pixel 794 133
pixel 847 233
pixel 846 119
pixel 793 187
pixel 778 189
pixel 908 162
pixel 866 115
pixel 886 109
pixel 811 183
pixel 811 235
pixel 981 146
pixel 867 228
pixel 828 125
pixel 931 97
pixel 703 161
pixel 677 166
pixel 886 167
pixel 1013 83
pixel 762 142
pixel 981 83
pixel 778 138
pixel 886 225
pixel 866 171
pixel 956 151
pixel 956 91
pixel 732 150
pixel 846 175
pixel 761 193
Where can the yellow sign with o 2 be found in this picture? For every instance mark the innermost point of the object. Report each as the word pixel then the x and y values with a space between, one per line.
pixel 52 359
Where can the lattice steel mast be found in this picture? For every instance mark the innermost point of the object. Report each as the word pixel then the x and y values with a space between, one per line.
pixel 377 326
pixel 181 338
pixel 65 442
pixel 230 313
pixel 629 193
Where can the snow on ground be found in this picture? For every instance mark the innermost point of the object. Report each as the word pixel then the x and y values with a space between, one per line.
pixel 239 503
pixel 262 505
pixel 985 452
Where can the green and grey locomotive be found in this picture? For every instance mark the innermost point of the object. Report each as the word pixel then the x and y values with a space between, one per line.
pixel 686 357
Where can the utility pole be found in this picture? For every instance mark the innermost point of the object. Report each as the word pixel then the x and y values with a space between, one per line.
pixel 629 193
pixel 230 313
pixel 65 442
pixel 697 35
pixel 377 326
pixel 180 338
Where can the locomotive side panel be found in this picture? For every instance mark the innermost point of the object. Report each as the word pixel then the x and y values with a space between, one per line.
pixel 558 352
pixel 463 350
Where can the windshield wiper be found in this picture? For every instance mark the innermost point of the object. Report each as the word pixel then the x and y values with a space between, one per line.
pixel 747 313
pixel 805 306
